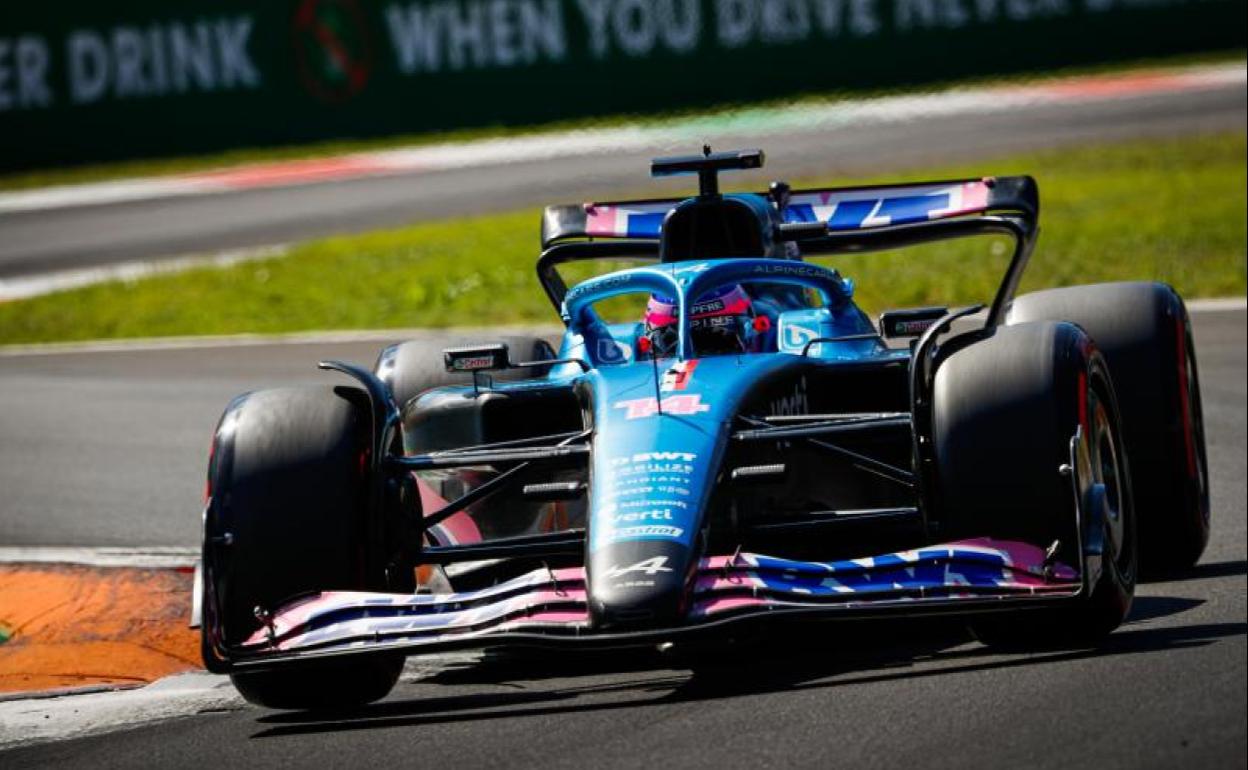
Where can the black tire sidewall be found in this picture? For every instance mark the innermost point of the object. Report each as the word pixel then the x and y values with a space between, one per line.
pixel 288 492
pixel 1142 329
pixel 1005 407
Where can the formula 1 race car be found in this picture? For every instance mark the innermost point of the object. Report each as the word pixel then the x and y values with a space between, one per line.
pixel 745 446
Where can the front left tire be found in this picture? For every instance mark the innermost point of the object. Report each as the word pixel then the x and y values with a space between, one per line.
pixel 286 517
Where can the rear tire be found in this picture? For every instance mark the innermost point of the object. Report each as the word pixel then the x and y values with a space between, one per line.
pixel 1004 410
pixel 286 517
pixel 1144 332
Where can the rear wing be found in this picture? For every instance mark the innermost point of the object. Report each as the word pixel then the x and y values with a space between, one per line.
pixel 840 209
pixel 846 220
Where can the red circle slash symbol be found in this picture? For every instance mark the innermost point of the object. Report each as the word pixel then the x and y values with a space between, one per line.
pixel 332 47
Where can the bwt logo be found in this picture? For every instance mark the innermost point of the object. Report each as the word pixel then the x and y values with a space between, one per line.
pixel 646 457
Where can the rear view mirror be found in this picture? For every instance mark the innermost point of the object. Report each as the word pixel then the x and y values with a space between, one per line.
pixel 897 324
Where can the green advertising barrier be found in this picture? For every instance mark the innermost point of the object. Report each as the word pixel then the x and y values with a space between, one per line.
pixel 100 81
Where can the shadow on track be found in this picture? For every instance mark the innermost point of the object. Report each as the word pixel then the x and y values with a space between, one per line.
pixel 1152 607
pixel 1204 572
pixel 825 659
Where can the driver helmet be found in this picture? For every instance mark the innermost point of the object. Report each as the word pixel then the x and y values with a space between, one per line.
pixel 720 322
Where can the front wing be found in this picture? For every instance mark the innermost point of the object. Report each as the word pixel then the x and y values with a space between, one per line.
pixel 550 606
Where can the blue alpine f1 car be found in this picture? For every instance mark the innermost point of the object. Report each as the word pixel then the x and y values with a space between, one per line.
pixel 721 439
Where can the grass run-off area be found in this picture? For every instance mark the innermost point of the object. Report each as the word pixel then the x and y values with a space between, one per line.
pixel 1169 210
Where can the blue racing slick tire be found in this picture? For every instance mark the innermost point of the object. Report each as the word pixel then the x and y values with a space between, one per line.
pixel 1004 410
pixel 1144 332
pixel 285 517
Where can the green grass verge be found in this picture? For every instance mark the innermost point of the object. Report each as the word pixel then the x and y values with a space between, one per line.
pixel 1171 210
pixel 174 165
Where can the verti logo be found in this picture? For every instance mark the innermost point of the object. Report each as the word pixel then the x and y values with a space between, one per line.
pixel 332 49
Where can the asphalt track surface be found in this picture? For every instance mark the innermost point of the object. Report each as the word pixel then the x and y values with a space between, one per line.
pixel 109 448
pixel 88 236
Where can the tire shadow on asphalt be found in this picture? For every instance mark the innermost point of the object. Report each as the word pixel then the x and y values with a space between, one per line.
pixel 1203 572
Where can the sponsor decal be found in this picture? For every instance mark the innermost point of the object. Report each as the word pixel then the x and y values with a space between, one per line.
pixel 674 490
pixel 643 531
pixel 643 503
pixel 656 514
pixel 795 403
pixel 651 471
pixel 641 496
pixel 714 322
pixel 682 404
pixel 677 378
pixel 597 285
pixel 796 337
pixel 472 363
pixel 641 487
pixel 652 566
pixel 645 457
pixel 913 327
pixel 785 269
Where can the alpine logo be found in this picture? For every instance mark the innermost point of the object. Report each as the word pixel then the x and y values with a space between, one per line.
pixel 651 566
pixel 611 351
pixel 796 337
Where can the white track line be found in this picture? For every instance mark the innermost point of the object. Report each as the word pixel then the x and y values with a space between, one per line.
pixel 1217 305
pixel 153 557
pixel 484 333
pixel 670 133
pixel 39 717
pixel 24 287
pixel 98 193
pixel 36 719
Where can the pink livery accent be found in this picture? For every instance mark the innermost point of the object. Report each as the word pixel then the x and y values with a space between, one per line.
pixel 458 529
pixel 554 602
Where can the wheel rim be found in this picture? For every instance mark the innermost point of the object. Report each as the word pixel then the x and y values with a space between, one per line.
pixel 1197 436
pixel 1105 455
